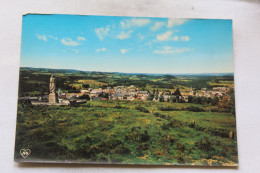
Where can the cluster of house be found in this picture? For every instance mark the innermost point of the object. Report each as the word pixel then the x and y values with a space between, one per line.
pixel 116 93
pixel 132 93
pixel 204 92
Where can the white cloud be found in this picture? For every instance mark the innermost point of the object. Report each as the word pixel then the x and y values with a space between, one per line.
pixel 134 22
pixel 102 32
pixel 150 43
pixel 69 42
pixel 52 37
pixel 76 51
pixel 123 51
pixel 140 36
pixel 174 22
pixel 157 26
pixel 124 35
pixel 81 38
pixel 101 50
pixel 42 37
pixel 185 38
pixel 171 50
pixel 165 36
pixel 175 38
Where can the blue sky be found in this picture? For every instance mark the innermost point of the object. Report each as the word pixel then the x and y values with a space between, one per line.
pixel 127 44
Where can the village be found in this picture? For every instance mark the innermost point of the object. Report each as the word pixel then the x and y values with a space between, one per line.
pixel 121 93
pixel 134 93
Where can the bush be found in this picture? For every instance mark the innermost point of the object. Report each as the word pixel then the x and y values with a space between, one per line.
pixel 168 108
pixel 142 109
pixel 157 114
pixel 195 109
pixel 172 124
pixel 138 135
pixel 205 144
pixel 143 146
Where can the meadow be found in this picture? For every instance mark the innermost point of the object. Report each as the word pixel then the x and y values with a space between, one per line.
pixel 137 132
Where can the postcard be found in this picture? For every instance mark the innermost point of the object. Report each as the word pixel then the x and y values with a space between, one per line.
pixel 126 90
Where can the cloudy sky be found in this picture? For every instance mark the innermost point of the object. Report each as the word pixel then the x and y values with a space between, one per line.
pixel 127 44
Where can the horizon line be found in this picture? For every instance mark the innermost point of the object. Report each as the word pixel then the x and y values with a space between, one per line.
pixel 128 72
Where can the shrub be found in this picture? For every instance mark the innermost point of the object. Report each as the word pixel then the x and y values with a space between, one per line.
pixel 122 150
pixel 195 109
pixel 168 108
pixel 138 135
pixel 157 114
pixel 142 109
pixel 143 146
pixel 205 144
pixel 171 124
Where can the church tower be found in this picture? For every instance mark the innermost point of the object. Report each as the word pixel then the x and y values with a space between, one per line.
pixel 191 93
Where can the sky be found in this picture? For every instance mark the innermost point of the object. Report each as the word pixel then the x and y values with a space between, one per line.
pixel 127 44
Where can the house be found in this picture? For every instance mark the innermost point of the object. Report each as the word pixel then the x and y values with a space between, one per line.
pixel 85 91
pixel 166 97
pixel 95 93
pixel 221 89
pixel 62 95
pixel 71 95
pixel 118 96
pixel 29 98
pixel 131 98
pixel 142 95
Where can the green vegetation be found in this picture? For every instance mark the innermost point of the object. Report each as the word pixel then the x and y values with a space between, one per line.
pixel 172 131
pixel 127 132
pixel 37 79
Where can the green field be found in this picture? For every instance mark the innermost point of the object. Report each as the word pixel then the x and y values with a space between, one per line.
pixel 121 132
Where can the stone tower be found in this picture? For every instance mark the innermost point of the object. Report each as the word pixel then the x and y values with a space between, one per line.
pixel 53 98
pixel 191 93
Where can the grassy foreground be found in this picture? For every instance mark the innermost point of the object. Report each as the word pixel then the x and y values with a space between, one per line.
pixel 138 132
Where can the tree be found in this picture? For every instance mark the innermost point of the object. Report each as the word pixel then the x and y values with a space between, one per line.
pixel 156 96
pixel 209 100
pixel 203 100
pixel 224 104
pixel 105 95
pixel 190 99
pixel 174 99
pixel 215 101
pixel 85 86
pixel 150 97
pixel 100 95
pixel 85 96
pixel 161 99
pixel 177 92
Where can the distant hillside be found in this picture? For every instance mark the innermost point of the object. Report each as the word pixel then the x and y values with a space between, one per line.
pixel 50 70
pixel 165 75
